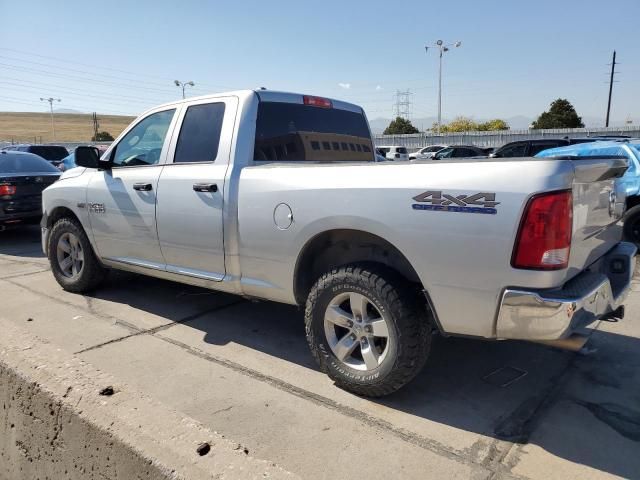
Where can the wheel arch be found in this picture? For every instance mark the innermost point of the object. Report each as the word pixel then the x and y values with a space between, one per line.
pixel 338 247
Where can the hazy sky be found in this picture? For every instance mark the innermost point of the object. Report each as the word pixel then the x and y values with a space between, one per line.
pixel 516 57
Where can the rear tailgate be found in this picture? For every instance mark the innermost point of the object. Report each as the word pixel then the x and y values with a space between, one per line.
pixel 597 209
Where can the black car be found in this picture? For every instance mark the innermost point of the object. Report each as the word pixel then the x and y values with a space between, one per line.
pixel 529 148
pixel 460 151
pixel 23 177
pixel 52 153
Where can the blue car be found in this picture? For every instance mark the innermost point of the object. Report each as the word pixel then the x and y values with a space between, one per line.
pixel 68 162
pixel 628 184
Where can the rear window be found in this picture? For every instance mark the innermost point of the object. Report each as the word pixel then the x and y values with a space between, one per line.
pixel 24 163
pixel 295 132
pixel 401 150
pixel 51 153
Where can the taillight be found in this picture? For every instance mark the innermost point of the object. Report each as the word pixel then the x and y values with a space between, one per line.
pixel 544 237
pixel 7 189
pixel 317 101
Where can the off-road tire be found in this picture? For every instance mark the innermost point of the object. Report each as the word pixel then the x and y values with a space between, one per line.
pixel 92 273
pixel 410 332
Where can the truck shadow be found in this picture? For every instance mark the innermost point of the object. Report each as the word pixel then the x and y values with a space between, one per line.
pixel 21 241
pixel 584 409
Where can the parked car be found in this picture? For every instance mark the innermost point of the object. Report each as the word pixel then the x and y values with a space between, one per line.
pixel 52 153
pixel 69 161
pixel 380 156
pixel 394 152
pixel 382 255
pixel 628 186
pixel 426 152
pixel 23 176
pixel 530 148
pixel 460 151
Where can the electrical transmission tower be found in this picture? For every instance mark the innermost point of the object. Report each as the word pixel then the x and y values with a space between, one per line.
pixel 402 107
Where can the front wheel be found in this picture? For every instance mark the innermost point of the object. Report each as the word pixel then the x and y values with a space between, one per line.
pixel 367 329
pixel 73 263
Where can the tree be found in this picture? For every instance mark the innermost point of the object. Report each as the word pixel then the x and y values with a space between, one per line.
pixel 495 124
pixel 466 124
pixel 561 114
pixel 400 126
pixel 102 137
pixel 459 124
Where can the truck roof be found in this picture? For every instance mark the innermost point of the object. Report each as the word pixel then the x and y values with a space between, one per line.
pixel 265 95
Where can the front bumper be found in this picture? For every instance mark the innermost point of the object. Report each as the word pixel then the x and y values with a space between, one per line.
pixel 556 313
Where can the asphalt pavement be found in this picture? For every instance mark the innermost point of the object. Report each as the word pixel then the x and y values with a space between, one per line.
pixel 478 410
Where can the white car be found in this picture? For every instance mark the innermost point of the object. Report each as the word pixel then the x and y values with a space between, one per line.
pixel 426 152
pixel 394 152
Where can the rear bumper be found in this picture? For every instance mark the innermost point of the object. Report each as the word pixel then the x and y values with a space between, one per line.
pixel 556 313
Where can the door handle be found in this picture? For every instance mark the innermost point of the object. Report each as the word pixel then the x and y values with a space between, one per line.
pixel 142 187
pixel 205 187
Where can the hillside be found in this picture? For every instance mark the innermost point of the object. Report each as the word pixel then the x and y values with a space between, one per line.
pixel 70 127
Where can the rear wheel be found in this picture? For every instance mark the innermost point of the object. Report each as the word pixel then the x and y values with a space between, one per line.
pixel 73 263
pixel 367 329
pixel 632 225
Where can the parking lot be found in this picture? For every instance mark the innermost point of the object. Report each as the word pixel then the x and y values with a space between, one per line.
pixel 478 410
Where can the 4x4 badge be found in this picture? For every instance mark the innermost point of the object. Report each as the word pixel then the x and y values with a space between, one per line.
pixel 483 202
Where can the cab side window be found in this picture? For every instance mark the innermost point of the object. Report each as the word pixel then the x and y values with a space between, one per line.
pixel 200 133
pixel 143 144
pixel 517 150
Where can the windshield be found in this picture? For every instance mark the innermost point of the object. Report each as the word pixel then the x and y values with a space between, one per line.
pixel 24 163
pixel 295 132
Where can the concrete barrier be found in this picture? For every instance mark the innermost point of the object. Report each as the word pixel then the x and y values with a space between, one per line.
pixel 60 421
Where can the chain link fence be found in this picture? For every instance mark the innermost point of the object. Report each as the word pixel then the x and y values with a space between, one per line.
pixel 497 138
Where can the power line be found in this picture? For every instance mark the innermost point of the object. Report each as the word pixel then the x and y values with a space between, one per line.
pixel 101 68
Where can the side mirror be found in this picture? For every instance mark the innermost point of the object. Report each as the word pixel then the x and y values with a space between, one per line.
pixel 88 157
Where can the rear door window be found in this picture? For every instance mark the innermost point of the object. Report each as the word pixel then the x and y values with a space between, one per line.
pixel 296 132
pixel 401 150
pixel 200 133
pixel 517 150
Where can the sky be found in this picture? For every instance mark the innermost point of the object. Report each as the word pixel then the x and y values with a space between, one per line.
pixel 121 57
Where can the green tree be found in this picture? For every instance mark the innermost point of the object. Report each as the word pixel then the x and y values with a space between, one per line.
pixel 102 137
pixel 561 114
pixel 495 124
pixel 400 126
pixel 466 124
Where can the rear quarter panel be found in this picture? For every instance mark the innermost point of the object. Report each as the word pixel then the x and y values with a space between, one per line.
pixel 463 259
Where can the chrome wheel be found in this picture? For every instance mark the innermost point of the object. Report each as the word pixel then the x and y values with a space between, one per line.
pixel 357 333
pixel 70 255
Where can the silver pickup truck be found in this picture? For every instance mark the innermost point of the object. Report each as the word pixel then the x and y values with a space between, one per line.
pixel 277 196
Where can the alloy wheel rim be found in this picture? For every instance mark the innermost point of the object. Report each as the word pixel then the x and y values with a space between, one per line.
pixel 70 255
pixel 356 331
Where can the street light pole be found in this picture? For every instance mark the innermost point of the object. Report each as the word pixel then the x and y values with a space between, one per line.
pixel 442 49
pixel 51 100
pixel 178 83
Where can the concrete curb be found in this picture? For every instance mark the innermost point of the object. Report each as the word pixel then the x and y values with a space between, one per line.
pixel 56 424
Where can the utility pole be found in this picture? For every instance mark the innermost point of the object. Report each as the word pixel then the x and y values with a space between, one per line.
pixel 96 126
pixel 613 72
pixel 51 100
pixel 440 45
